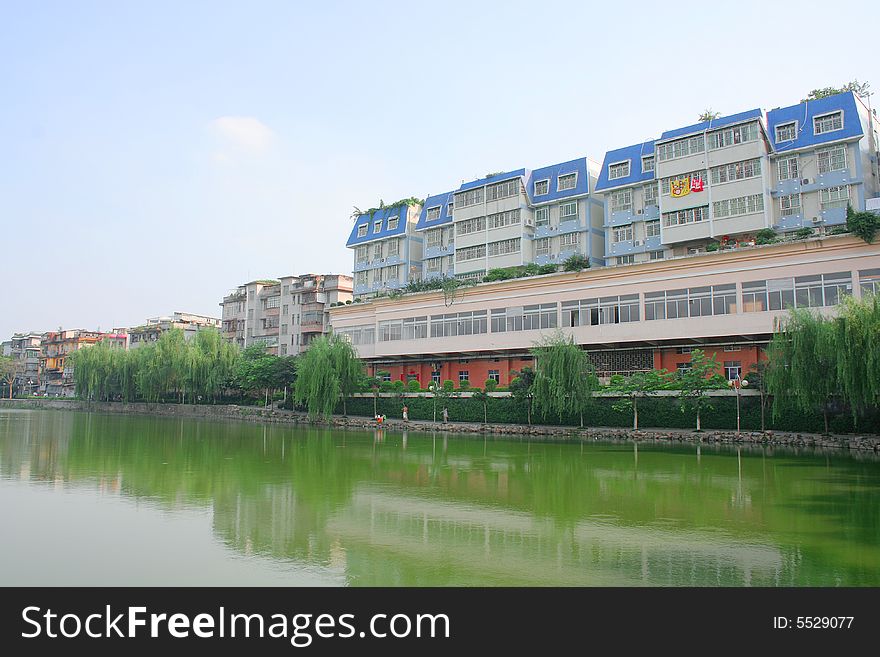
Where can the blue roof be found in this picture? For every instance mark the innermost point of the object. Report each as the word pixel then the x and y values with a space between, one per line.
pixel 439 200
pixel 382 216
pixel 632 153
pixel 803 113
pixel 552 172
pixel 713 124
pixel 498 177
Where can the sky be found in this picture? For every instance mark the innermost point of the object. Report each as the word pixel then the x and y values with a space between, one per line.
pixel 155 155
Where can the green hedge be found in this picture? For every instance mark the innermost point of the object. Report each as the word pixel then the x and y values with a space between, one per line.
pixel 654 412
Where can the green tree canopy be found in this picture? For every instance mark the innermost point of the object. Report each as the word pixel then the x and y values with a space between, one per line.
pixel 564 377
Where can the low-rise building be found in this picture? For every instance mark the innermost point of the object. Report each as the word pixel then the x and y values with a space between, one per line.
pixel 154 327
pixel 25 349
pixel 56 379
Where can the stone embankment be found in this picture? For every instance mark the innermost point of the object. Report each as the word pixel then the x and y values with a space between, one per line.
pixel 856 442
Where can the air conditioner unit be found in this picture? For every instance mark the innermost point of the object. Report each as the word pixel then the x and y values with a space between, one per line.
pixel 805 181
pixel 640 212
pixel 817 220
pixel 637 243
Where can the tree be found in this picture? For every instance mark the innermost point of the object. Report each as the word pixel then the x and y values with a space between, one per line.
pixel 856 343
pixel 802 366
pixel 696 380
pixel 564 377
pixel 758 381
pixel 708 115
pixel 636 385
pixel 521 388
pixel 346 365
pixel 862 89
pixel 482 397
pixel 8 371
pixel 256 370
pixel 329 368
pixel 576 262
pixel 863 224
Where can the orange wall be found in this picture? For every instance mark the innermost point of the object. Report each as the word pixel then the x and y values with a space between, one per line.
pixel 747 356
pixel 478 370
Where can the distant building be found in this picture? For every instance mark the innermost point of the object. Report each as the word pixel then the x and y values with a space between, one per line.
pixel 56 378
pixel 283 315
pixel 189 323
pixel 25 348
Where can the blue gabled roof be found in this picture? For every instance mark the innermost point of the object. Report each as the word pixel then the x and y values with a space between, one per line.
pixel 632 153
pixel 714 124
pixel 441 200
pixel 803 113
pixel 552 172
pixel 498 177
pixel 382 215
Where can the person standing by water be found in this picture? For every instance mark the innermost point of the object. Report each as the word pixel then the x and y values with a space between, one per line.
pixel 405 413
pixel 445 415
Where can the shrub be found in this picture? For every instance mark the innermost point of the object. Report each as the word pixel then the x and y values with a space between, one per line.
pixel 386 386
pixel 712 246
pixel 547 269
pixel 448 385
pixel 464 385
pixel 576 262
pixel 766 236
pixel 491 385
pixel 398 386
pixel 347 302
pixel 414 386
pixel 863 224
pixel 803 233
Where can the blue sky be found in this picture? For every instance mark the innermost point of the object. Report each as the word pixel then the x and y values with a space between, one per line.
pixel 157 154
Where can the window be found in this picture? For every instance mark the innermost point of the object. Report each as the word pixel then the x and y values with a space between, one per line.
pixel 657 255
pixel 739 134
pixel 732 347
pixel 622 234
pixel 733 369
pixel 361 253
pixel 362 230
pixel 568 211
pixel 542 187
pixel 570 239
pixel 272 302
pixel 390 330
pixel 284 350
pixel 471 197
pixel 502 219
pixel 377 251
pixel 470 253
pixel 734 207
pixel 680 148
pixel 790 205
pixel 735 171
pixel 435 376
pixel 652 229
pixel 449 208
pixel 284 329
pixel 452 324
pixel 802 292
pixel 683 367
pixel 626 260
pixel 681 217
pixel 567 181
pixel 870 281
pixel 393 223
pixel 542 246
pixel 665 182
pixel 285 289
pixel 432 214
pixel 827 123
pixel 787 168
pixel 415 328
pixel 542 216
pixel 621 200
pixel 377 226
pixel 504 247
pixel 831 159
pixel 604 310
pixel 433 237
pixel 463 375
pixel 284 309
pixel 647 163
pixel 834 197
pixel 524 318
pixel 786 131
pixel 434 265
pixel 692 302
pixel 684 350
pixel 503 190
pixel 393 247
pixel 361 278
pixel 470 226
pixel 615 171
pixel 650 192
pixel 495 375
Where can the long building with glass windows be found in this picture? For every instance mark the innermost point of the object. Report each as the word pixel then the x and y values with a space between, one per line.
pixel 648 315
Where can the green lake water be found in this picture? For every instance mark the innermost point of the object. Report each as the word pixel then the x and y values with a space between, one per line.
pixel 90 499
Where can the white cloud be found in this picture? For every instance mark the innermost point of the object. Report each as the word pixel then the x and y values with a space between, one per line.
pixel 244 132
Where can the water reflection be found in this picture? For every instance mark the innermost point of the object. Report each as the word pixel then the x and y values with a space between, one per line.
pixel 384 508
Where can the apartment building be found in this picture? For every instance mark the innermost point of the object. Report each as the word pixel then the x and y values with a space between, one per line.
pixel 648 315
pixel 154 327
pixel 56 378
pixel 435 225
pixel 25 349
pixel 824 157
pixel 632 205
pixel 524 216
pixel 283 315
pixel 387 248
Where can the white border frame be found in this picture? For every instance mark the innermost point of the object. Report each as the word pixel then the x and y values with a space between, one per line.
pixel 546 180
pixel 629 172
pixel 820 116
pixel 776 127
pixel 653 159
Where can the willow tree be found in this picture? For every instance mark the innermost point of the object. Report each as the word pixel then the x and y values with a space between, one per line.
pixel 328 368
pixel 856 336
pixel 210 364
pixel 802 368
pixel 564 377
